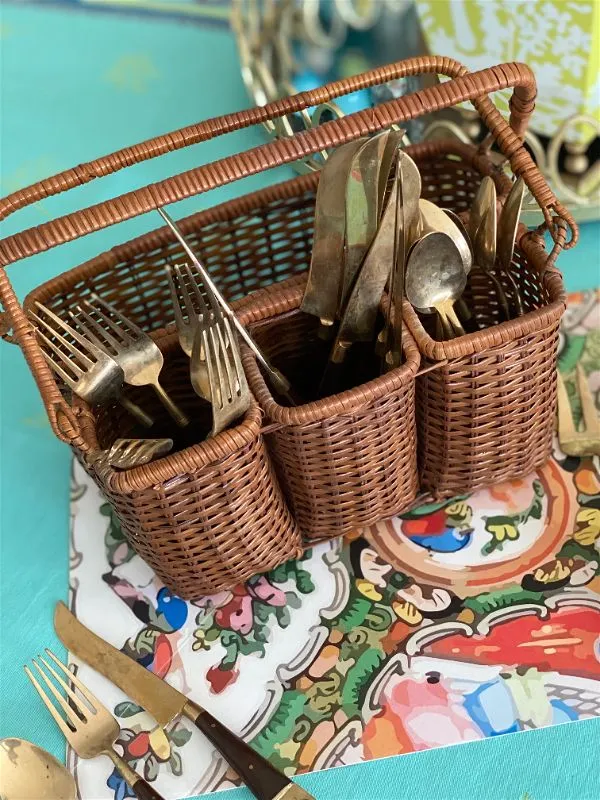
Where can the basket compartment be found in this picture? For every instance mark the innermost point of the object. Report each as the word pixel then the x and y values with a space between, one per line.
pixel 345 461
pixel 208 516
pixel 487 415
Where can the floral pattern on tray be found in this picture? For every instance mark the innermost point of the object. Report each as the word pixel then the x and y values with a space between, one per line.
pixel 344 655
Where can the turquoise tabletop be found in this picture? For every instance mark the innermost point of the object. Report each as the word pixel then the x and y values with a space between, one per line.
pixel 77 84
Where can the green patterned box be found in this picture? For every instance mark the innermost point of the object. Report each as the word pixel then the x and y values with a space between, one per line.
pixel 558 39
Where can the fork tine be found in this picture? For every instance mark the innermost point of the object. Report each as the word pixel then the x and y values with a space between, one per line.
pixel 241 382
pixel 566 426
pixel 92 699
pixel 96 326
pixel 107 323
pixel 226 360
pixel 71 714
pixel 201 292
pixel 175 299
pixel 62 683
pixel 62 355
pixel 66 731
pixel 218 362
pixel 68 379
pixel 210 366
pixel 181 270
pixel 591 419
pixel 129 326
pixel 73 333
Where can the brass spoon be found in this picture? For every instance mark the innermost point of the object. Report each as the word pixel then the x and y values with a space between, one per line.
pixel 483 232
pixel 435 278
pixel 434 218
pixel 507 235
pixel 29 773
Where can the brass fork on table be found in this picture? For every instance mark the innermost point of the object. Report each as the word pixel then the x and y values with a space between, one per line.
pixel 573 442
pixel 86 724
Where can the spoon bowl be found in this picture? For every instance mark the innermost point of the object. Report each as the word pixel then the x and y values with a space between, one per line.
pixel 435 278
pixel 30 773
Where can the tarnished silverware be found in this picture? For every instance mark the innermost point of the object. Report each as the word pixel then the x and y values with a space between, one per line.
pixel 573 442
pixel 362 209
pixel 29 773
pixel 407 186
pixel 483 233
pixel 507 236
pixel 188 304
pixel 434 218
pixel 276 378
pixel 128 453
pixel 216 354
pixel 325 276
pixel 358 321
pixel 83 366
pixel 86 724
pixel 435 278
pixel 165 703
pixel 134 351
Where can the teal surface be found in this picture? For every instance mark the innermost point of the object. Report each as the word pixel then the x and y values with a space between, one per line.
pixel 74 86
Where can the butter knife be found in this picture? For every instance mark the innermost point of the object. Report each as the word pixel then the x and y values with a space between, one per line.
pixel 322 294
pixel 165 703
pixel 359 318
pixel 362 209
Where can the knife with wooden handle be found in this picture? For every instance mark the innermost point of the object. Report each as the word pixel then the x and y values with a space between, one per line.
pixel 165 703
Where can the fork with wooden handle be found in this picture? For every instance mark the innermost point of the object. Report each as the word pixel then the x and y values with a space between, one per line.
pixel 134 351
pixel 575 442
pixel 86 724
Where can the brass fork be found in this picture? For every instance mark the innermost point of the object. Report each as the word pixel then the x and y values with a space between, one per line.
pixel 83 366
pixel 216 354
pixel 86 724
pixel 189 306
pixel 574 442
pixel 134 351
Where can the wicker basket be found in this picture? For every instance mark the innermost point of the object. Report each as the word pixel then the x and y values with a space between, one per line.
pixel 486 411
pixel 345 461
pixel 203 544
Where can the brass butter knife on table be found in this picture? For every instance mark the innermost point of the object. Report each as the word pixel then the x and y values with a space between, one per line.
pixel 165 703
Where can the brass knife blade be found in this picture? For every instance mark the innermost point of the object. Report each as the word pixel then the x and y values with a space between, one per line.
pixel 322 293
pixel 362 209
pixel 155 695
pixel 361 311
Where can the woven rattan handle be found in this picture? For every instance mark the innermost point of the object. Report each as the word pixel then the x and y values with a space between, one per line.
pixel 465 86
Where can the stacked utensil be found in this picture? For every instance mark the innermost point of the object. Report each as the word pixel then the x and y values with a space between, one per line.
pixel 372 230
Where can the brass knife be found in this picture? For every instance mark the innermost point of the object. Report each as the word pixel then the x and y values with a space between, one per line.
pixel 407 186
pixel 165 703
pixel 324 285
pixel 359 318
pixel 362 209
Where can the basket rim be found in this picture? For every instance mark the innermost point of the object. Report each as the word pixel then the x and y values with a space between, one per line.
pixel 278 300
pixel 245 204
pixel 505 332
